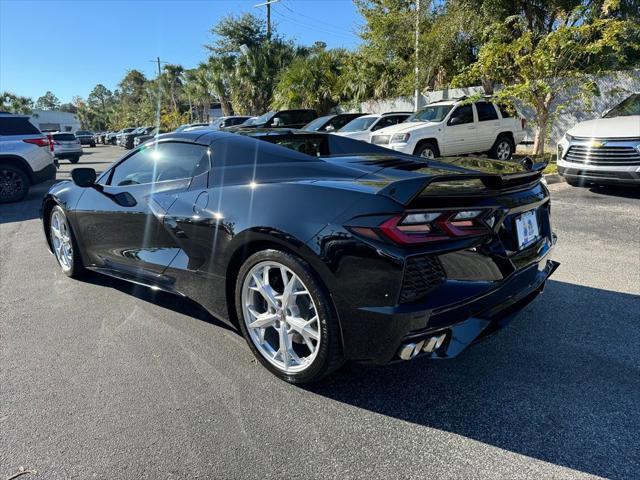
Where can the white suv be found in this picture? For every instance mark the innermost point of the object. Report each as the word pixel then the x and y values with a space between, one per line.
pixel 452 127
pixel 360 128
pixel 25 157
pixel 605 150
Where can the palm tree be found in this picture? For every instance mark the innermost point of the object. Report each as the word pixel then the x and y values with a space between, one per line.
pixel 172 77
pixel 15 103
pixel 217 74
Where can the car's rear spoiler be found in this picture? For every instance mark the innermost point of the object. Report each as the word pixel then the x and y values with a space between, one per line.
pixel 463 184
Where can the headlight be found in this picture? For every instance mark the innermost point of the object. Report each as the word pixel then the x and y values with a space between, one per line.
pixel 400 138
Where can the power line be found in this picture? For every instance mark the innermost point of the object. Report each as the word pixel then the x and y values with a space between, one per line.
pixel 326 25
pixel 268 5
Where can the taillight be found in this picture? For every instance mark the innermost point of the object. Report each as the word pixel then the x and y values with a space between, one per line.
pixel 424 227
pixel 41 142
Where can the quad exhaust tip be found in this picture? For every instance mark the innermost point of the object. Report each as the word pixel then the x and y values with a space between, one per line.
pixel 409 350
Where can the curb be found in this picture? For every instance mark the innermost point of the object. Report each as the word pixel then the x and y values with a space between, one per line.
pixel 552 178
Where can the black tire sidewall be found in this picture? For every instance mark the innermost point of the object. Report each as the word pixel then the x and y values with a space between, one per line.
pixel 77 268
pixel 25 182
pixel 494 150
pixel 329 327
pixel 74 159
pixel 424 146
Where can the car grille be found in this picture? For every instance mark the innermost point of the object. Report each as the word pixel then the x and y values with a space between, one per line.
pixel 422 274
pixel 604 155
pixel 381 139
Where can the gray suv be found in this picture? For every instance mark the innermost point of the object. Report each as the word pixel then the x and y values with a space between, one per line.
pixel 25 157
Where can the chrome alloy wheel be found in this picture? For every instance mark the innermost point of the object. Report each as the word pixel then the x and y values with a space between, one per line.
pixel 503 150
pixel 428 153
pixel 61 240
pixel 280 316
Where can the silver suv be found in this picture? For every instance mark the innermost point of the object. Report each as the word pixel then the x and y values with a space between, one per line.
pixel 25 157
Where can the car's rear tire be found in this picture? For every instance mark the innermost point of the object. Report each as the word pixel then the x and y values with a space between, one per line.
pixel 294 332
pixel 14 183
pixel 75 159
pixel 63 243
pixel 503 148
pixel 427 150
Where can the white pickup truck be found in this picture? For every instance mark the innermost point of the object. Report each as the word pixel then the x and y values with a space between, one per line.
pixel 453 127
pixel 605 150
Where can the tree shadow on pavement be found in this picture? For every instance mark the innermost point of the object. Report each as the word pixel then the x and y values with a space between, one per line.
pixel 560 384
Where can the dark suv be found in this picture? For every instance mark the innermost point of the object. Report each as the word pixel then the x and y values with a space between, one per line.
pixel 86 137
pixel 284 118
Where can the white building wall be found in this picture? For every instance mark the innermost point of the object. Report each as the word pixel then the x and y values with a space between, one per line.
pixel 51 120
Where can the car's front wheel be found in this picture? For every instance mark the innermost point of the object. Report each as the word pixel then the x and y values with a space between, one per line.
pixel 63 243
pixel 75 159
pixel 287 317
pixel 427 150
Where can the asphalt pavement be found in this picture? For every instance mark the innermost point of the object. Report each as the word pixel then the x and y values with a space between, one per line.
pixel 101 379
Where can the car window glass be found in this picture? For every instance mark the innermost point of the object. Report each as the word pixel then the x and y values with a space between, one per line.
pixel 464 114
pixel 161 162
pixel 628 107
pixel 486 111
pixel 505 111
pixel 17 126
pixel 384 122
pixel 64 137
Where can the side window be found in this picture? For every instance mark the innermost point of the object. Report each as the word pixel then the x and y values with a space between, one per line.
pixel 161 162
pixel 305 117
pixel 398 119
pixel 486 111
pixel 505 111
pixel 461 115
pixel 286 118
pixel 383 122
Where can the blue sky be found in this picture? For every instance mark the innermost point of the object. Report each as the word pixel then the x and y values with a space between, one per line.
pixel 70 46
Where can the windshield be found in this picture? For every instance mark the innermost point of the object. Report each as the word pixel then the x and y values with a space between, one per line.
pixel 626 108
pixel 317 123
pixel 250 121
pixel 436 113
pixel 264 118
pixel 83 132
pixel 359 124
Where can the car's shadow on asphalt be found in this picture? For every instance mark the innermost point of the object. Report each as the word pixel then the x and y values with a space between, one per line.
pixel 26 209
pixel 613 191
pixel 162 299
pixel 560 384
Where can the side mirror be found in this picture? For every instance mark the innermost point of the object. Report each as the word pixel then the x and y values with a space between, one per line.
pixel 276 122
pixel 83 177
pixel 330 128
pixel 454 121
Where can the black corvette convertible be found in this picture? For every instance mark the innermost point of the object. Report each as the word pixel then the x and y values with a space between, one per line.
pixel 319 248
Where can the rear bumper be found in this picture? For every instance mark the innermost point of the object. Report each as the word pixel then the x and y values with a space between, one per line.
pixel 463 323
pixel 47 173
pixel 70 154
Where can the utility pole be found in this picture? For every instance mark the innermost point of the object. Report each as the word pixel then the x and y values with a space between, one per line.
pixel 268 5
pixel 416 90
pixel 158 62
